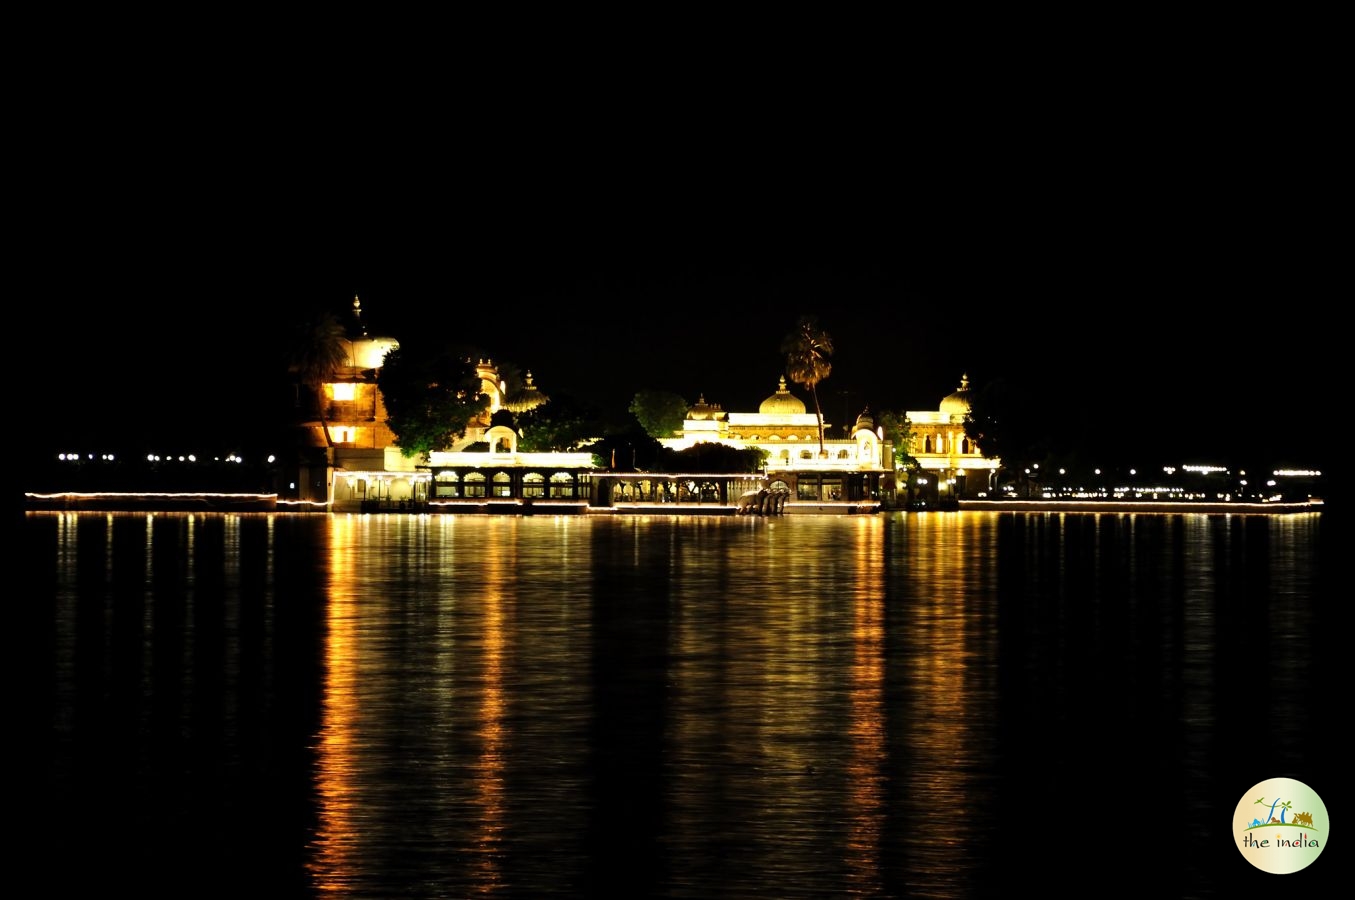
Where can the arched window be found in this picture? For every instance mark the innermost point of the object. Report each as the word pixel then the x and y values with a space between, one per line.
pixel 562 485
pixel 475 484
pixel 447 484
pixel 503 484
pixel 533 485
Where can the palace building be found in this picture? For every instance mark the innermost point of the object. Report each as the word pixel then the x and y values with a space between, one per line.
pixel 856 469
pixel 950 464
pixel 363 467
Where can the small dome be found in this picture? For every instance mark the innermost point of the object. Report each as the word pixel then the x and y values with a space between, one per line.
pixel 364 350
pixel 783 402
pixel 704 410
pixel 865 420
pixel 957 403
pixel 370 353
pixel 528 397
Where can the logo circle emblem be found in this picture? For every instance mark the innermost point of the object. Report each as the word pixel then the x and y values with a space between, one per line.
pixel 1281 825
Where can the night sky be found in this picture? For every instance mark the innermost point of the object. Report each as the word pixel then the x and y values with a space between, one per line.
pixel 1165 266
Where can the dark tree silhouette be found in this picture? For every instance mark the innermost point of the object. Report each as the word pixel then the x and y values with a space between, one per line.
pixel 660 413
pixel 1012 421
pixel 628 449
pixel 319 350
pixel 713 457
pixel 565 423
pixel 431 396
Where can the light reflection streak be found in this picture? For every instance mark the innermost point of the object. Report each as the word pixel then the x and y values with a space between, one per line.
pixel 948 680
pixel 865 793
pixel 336 851
pixel 489 766
pixel 355 820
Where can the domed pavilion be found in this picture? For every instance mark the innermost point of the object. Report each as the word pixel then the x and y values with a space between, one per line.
pixel 952 466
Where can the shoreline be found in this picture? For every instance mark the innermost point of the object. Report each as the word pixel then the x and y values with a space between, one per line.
pixel 1155 506
pixel 112 501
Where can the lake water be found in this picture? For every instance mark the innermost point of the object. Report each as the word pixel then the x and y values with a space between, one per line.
pixel 941 704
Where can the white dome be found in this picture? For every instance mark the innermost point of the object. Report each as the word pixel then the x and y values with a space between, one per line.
pixel 783 402
pixel 956 403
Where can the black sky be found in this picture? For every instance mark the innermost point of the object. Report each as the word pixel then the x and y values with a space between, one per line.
pixel 1167 260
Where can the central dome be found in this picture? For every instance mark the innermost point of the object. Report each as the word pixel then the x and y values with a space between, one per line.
pixel 705 411
pixel 957 402
pixel 783 402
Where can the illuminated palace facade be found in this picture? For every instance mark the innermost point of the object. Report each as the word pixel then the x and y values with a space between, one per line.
pixel 950 466
pixel 856 469
pixel 860 467
pixel 364 468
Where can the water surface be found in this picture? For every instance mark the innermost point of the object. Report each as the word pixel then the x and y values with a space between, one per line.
pixel 909 704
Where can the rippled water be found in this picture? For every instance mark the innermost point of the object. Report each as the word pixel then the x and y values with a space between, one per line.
pixel 924 704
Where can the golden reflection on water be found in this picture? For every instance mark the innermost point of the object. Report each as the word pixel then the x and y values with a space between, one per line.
pixel 746 707
pixel 950 634
pixel 347 763
pixel 778 730
pixel 865 765
pixel 494 734
pixel 420 679
pixel 823 693
pixel 338 760
pixel 777 727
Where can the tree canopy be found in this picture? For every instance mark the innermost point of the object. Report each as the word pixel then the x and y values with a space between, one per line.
pixel 628 449
pixel 898 429
pixel 564 424
pixel 712 457
pixel 431 396
pixel 319 348
pixel 1007 421
pixel 660 413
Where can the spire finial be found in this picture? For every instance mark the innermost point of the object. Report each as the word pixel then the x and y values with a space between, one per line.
pixel 357 315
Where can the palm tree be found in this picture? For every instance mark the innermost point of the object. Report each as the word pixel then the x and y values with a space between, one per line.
pixel 321 348
pixel 809 360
